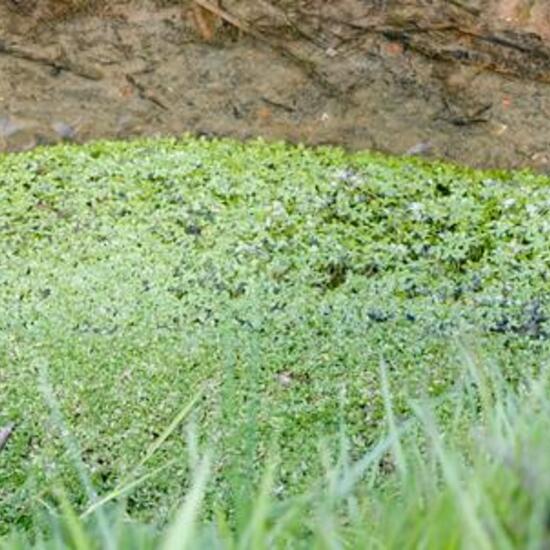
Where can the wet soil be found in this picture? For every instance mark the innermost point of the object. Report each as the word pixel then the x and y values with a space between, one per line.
pixel 464 80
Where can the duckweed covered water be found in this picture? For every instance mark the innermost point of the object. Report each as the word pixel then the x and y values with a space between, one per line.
pixel 273 277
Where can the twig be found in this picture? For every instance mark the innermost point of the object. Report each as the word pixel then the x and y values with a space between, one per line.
pixel 146 94
pixel 273 43
pixel 232 20
pixel 60 63
pixel 470 9
pixel 277 104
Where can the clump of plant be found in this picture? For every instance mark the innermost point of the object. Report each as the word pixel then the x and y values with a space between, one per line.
pixel 274 278
pixel 481 481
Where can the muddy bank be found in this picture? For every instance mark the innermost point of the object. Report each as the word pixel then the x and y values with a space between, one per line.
pixel 467 81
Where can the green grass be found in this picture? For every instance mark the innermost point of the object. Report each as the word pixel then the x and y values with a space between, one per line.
pixel 485 485
pixel 269 282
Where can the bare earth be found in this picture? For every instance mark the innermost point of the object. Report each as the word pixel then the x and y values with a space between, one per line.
pixel 466 80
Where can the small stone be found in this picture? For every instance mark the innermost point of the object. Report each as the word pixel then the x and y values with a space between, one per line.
pixel 9 126
pixel 284 378
pixel 64 131
pixel 5 434
pixel 420 148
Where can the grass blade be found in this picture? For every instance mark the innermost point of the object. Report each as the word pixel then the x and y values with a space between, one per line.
pixel 180 534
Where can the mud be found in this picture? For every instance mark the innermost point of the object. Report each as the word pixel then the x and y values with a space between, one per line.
pixel 467 81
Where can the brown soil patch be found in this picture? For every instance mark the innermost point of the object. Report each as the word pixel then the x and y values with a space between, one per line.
pixel 466 80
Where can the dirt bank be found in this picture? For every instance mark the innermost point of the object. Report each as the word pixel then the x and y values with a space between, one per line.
pixel 463 80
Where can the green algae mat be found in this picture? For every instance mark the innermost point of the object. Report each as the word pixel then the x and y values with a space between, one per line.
pixel 265 280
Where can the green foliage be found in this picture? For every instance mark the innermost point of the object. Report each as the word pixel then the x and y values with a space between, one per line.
pixel 484 486
pixel 271 278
